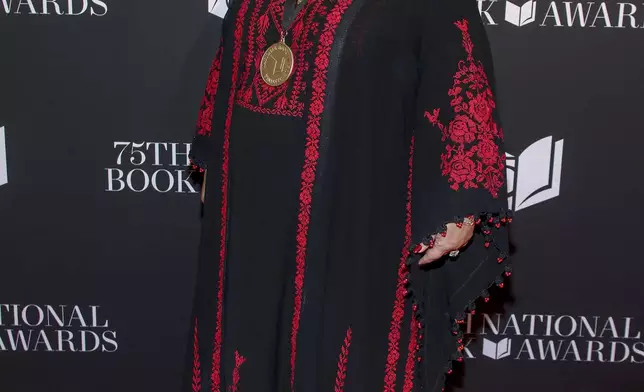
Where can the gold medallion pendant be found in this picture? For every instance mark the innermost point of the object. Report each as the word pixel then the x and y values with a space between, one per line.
pixel 277 64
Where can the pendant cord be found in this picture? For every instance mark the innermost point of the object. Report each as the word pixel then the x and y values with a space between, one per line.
pixel 291 9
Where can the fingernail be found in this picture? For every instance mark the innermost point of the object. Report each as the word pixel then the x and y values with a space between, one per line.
pixel 418 248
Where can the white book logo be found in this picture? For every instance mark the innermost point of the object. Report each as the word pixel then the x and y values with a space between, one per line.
pixel 520 16
pixel 3 158
pixel 535 175
pixel 217 7
pixel 497 350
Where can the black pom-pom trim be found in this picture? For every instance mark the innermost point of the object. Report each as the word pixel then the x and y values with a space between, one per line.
pixel 485 223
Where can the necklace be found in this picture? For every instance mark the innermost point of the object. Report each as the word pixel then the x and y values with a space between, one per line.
pixel 277 62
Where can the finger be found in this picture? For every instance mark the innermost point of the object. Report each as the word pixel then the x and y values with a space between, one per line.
pixel 456 237
pixel 432 254
pixel 420 248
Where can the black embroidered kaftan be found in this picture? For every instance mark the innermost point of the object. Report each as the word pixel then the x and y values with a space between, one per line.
pixel 318 191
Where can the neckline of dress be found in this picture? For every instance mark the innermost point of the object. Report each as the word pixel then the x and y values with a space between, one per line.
pixel 279 18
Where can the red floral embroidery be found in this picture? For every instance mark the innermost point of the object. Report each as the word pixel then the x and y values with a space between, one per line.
pixel 412 349
pixel 311 155
pixel 239 360
pixel 196 361
pixel 286 99
pixel 393 354
pixel 472 158
pixel 215 375
pixel 342 363
pixel 204 122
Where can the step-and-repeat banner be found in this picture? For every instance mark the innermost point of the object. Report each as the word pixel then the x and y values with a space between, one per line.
pixel 99 223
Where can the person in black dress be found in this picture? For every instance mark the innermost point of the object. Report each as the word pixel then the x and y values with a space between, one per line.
pixel 353 196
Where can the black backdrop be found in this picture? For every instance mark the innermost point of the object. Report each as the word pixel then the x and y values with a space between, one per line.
pixel 98 229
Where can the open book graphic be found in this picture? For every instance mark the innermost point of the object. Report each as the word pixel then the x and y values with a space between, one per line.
pixel 520 16
pixel 3 158
pixel 497 350
pixel 217 7
pixel 535 175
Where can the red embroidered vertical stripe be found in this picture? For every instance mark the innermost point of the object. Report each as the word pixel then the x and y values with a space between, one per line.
pixel 398 313
pixel 472 157
pixel 342 363
pixel 216 354
pixel 239 360
pixel 310 161
pixel 412 349
pixel 204 122
pixel 196 361
pixel 251 54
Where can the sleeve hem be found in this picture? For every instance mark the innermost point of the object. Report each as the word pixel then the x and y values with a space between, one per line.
pixel 485 223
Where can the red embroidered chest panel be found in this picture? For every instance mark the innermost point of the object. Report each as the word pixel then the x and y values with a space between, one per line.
pixel 304 35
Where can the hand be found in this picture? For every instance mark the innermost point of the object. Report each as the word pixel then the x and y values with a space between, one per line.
pixel 456 238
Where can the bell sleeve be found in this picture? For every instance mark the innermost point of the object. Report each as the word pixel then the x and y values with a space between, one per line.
pixel 200 150
pixel 458 170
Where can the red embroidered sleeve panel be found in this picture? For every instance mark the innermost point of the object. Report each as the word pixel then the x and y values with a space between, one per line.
pixel 459 159
pixel 458 166
pixel 204 122
pixel 459 163
pixel 472 157
pixel 205 116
